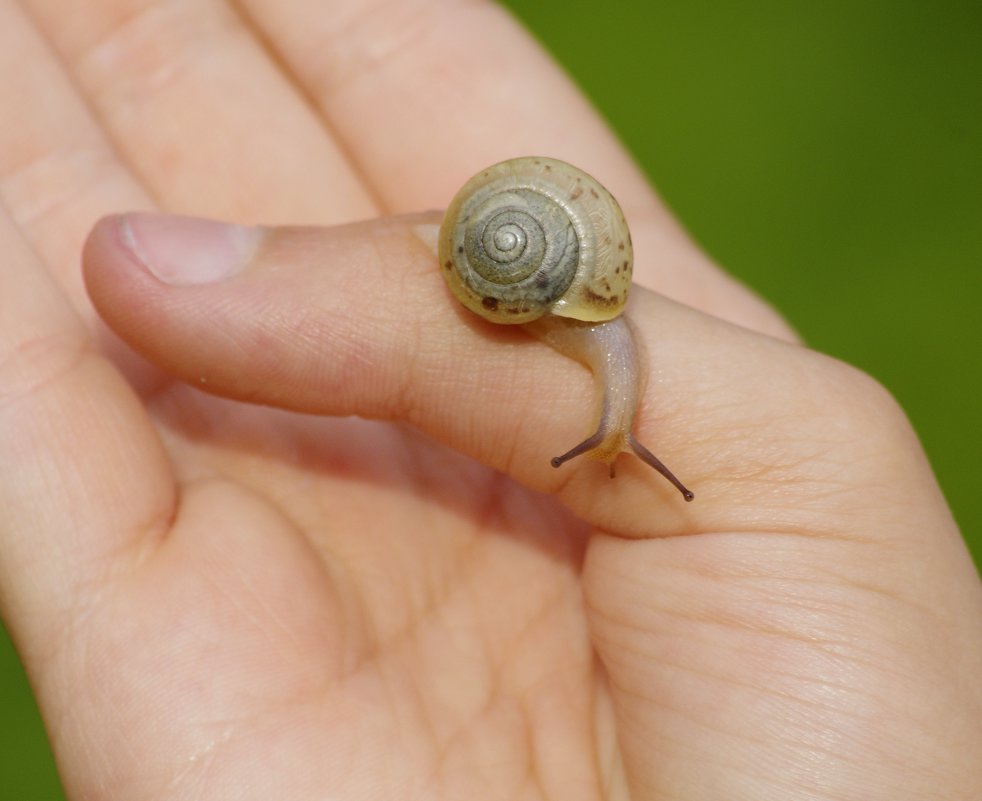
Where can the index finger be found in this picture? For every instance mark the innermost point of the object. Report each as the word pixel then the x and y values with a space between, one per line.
pixel 424 93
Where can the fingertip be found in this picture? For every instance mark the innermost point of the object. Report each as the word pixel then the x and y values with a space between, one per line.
pixel 110 272
pixel 99 243
pixel 104 268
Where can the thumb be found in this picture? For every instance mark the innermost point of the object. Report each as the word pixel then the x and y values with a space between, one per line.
pixel 355 320
pixel 352 320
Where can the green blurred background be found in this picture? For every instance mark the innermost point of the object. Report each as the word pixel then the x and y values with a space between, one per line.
pixel 829 154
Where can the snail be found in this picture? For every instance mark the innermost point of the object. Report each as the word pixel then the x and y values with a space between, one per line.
pixel 538 242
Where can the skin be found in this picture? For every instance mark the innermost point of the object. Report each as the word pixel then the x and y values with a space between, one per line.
pixel 217 597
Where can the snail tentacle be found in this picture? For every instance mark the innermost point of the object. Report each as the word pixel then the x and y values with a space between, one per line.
pixel 649 458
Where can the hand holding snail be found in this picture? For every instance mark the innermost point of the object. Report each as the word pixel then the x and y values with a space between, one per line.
pixel 538 242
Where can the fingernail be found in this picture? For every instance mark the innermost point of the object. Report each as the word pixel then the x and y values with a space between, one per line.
pixel 188 250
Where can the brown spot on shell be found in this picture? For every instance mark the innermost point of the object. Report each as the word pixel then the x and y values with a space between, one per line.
pixel 620 246
pixel 448 265
pixel 594 193
pixel 577 191
pixel 460 249
pixel 489 303
pixel 601 300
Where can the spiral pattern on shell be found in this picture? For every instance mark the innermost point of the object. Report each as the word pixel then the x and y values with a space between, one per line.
pixel 532 236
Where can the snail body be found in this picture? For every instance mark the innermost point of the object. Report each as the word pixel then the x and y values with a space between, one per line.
pixel 538 242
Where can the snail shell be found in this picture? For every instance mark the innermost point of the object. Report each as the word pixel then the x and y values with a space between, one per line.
pixel 534 236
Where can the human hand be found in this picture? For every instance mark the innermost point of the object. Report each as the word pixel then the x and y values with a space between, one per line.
pixel 216 599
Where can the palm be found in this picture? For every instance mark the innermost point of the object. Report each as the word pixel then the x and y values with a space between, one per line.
pixel 433 645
